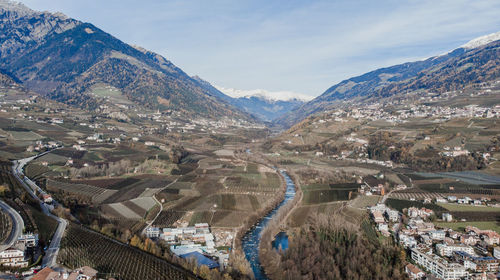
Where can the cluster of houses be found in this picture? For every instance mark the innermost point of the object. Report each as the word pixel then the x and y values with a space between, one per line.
pixel 15 256
pixel 382 215
pixel 465 200
pixel 455 152
pixel 441 253
pixel 371 185
pixel 42 146
pixel 377 111
pixel 192 242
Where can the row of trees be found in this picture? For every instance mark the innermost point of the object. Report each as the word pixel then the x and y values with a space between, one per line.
pixel 108 169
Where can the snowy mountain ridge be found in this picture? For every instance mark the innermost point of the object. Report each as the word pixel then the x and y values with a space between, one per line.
pixel 265 94
pixel 481 41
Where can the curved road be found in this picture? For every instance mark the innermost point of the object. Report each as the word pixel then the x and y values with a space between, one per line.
pixel 17 226
pixel 51 253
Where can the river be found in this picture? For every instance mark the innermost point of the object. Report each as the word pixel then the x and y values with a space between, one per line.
pixel 251 240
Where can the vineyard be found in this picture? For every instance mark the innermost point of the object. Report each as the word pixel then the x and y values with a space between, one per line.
pixel 34 171
pixel 244 182
pixel 96 194
pixel 112 183
pixel 5 226
pixel 323 196
pixel 421 195
pixel 81 246
pixel 323 193
pixel 168 218
pixel 399 205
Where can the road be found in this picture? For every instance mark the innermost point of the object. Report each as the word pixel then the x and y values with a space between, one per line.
pixel 389 193
pixel 51 253
pixel 149 224
pixel 17 226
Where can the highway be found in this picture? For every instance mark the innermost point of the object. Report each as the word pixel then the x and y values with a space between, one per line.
pixel 51 253
pixel 17 226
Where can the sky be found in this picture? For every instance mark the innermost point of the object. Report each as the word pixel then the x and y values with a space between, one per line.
pixel 287 46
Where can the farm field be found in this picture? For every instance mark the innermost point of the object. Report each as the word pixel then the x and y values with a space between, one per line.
pixel 364 201
pixel 400 204
pixel 94 194
pixel 300 215
pixel 458 226
pixel 81 246
pixel 319 193
pixel 421 195
pixel 468 208
pixel 471 177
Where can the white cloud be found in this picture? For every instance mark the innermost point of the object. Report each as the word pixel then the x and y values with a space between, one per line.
pixel 271 95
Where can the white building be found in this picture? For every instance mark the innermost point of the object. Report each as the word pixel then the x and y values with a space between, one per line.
pixel 446 250
pixel 407 241
pixel 438 266
pixel 13 257
pixel 447 217
pixel 153 232
pixel 28 240
pixel 393 215
pixel 383 227
pixel 496 252
pixel 437 234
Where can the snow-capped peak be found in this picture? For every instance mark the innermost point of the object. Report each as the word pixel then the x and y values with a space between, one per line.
pixel 262 93
pixel 481 41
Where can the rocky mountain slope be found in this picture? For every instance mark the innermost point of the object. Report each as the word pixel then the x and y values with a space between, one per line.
pixel 6 80
pixel 465 66
pixel 63 58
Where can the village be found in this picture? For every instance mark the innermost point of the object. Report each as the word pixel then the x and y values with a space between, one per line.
pixel 440 252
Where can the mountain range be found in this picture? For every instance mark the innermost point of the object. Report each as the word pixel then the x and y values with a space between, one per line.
pixel 64 58
pixel 265 105
pixel 475 62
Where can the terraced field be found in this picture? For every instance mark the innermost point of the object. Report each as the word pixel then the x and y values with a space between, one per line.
pixel 168 218
pixel 81 246
pixel 135 189
pixel 133 209
pixel 98 195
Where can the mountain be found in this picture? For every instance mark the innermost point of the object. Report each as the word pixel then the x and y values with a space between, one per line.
pixel 265 105
pixel 64 58
pixel 6 80
pixel 475 62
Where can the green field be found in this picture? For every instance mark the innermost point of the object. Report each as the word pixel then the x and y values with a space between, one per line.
pixel 458 226
pixel 468 208
pixel 25 135
pixel 365 201
pixel 323 196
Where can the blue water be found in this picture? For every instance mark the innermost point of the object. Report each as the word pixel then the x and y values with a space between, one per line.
pixel 280 241
pixel 251 239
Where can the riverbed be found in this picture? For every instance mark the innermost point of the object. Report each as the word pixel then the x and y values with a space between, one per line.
pixel 251 240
